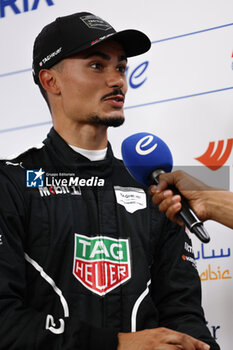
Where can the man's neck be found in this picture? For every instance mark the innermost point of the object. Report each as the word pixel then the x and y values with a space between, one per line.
pixel 84 136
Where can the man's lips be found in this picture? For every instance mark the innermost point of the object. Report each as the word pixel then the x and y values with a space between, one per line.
pixel 115 100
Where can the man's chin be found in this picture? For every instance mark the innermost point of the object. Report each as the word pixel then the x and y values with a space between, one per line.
pixel 107 121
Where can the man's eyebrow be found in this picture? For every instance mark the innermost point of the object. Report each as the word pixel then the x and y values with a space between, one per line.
pixel 105 56
pixel 122 58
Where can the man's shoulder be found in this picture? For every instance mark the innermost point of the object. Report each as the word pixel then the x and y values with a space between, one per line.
pixel 14 167
pixel 24 158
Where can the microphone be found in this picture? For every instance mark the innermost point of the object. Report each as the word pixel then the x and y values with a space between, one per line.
pixel 146 156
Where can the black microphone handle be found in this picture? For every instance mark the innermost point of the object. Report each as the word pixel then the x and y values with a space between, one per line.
pixel 186 214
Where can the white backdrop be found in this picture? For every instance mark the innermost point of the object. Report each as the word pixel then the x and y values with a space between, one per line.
pixel 181 90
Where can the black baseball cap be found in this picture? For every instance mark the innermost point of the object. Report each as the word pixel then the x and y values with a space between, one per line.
pixel 74 33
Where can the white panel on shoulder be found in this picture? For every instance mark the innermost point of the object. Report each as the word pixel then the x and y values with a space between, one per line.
pixel 15 155
pixel 131 198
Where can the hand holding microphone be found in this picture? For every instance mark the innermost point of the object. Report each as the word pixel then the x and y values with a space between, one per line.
pixel 194 191
pixel 147 157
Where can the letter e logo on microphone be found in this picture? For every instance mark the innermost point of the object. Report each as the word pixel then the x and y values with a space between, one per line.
pixel 148 139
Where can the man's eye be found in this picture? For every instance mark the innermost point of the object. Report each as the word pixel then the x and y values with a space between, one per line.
pixel 121 69
pixel 96 65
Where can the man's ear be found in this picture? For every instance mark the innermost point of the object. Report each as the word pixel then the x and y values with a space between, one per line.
pixel 49 81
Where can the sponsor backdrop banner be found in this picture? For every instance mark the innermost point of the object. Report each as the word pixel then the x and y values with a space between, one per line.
pixel 181 90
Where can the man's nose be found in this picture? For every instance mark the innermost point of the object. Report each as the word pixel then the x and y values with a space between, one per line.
pixel 115 80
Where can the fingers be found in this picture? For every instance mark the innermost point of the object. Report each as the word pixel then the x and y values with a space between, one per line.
pixel 172 211
pixel 169 347
pixel 159 339
pixel 158 195
pixel 168 179
pixel 164 182
pixel 168 203
pixel 181 340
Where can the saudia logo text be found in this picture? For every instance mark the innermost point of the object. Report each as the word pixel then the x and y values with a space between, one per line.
pixel 101 263
pixel 20 6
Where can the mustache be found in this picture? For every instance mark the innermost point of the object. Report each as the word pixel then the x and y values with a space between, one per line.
pixel 114 93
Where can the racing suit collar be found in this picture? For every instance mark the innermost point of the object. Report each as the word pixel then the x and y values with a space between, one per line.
pixel 63 154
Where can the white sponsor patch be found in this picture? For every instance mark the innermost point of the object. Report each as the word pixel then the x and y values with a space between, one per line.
pixel 131 198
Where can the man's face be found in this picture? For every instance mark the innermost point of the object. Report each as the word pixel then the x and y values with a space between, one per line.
pixel 93 85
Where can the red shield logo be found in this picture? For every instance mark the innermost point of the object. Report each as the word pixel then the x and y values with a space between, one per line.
pixel 101 263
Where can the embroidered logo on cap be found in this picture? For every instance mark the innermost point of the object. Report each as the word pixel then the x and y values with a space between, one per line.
pixel 94 22
pixel 51 55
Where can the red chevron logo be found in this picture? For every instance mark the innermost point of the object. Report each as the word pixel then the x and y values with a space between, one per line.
pixel 216 160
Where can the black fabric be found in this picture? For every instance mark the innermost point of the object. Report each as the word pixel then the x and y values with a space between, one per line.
pixel 39 291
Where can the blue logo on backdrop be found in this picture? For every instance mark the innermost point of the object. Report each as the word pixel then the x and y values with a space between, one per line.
pixel 137 77
pixel 20 6
pixel 35 178
pixel 213 330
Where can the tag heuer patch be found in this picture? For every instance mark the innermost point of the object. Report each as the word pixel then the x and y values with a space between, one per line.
pixel 101 263
pixel 95 22
pixel 131 198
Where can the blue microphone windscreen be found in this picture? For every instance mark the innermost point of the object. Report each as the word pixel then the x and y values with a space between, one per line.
pixel 143 153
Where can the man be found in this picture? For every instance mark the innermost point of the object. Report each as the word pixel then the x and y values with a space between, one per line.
pixel 86 261
pixel 207 202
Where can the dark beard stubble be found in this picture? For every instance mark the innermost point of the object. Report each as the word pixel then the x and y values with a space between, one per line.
pixel 111 121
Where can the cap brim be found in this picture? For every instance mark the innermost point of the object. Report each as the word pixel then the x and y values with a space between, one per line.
pixel 133 42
